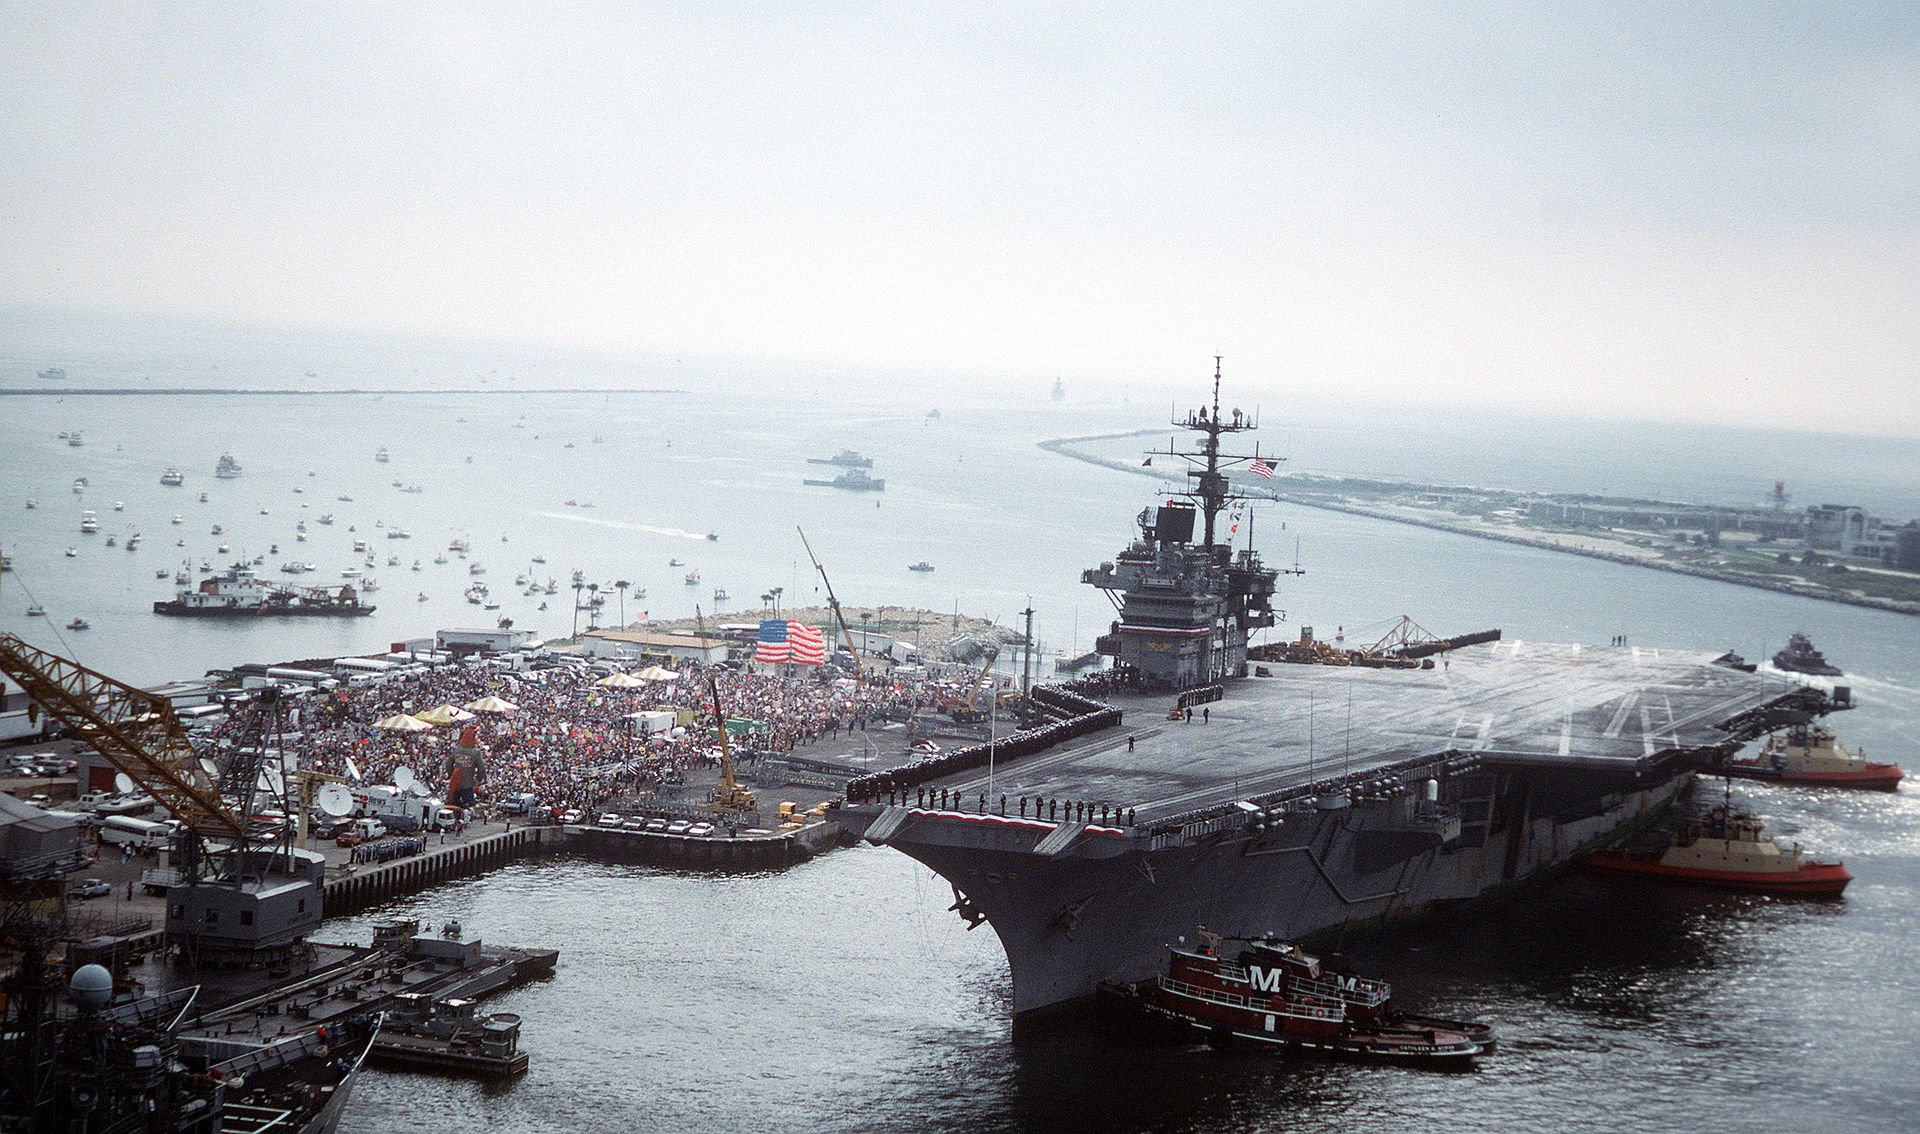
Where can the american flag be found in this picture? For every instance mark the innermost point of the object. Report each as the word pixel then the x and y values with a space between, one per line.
pixel 1262 468
pixel 785 641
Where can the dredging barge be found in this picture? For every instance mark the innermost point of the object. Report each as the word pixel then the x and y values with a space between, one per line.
pixel 238 593
pixel 1302 801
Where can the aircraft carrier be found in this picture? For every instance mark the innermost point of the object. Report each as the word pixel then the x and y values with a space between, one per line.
pixel 1303 800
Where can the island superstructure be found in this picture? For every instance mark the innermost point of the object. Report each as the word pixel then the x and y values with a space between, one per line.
pixel 1303 800
pixel 1187 606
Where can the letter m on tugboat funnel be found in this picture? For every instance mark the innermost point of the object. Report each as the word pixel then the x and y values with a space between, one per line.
pixel 1266 980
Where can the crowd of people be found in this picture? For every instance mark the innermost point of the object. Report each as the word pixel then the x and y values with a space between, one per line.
pixel 569 740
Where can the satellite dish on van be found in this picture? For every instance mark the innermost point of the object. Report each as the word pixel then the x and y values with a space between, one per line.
pixel 403 778
pixel 270 780
pixel 353 770
pixel 419 789
pixel 122 783
pixel 335 800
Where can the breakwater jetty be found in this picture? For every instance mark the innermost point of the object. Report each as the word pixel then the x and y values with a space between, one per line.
pixel 1595 546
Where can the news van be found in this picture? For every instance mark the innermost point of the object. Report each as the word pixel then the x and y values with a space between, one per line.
pixel 377 801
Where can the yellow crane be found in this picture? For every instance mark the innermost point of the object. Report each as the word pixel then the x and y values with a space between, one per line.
pixel 729 795
pixel 136 731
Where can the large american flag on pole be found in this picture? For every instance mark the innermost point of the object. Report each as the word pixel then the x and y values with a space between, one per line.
pixel 785 641
pixel 1262 468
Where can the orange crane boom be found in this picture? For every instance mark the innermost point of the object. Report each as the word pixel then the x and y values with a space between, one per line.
pixel 136 731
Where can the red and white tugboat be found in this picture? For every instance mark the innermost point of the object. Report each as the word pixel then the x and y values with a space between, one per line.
pixel 1809 754
pixel 1728 848
pixel 1275 996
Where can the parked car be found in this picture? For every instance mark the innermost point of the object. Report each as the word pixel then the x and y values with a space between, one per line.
pixel 700 830
pixel 610 820
pixel 656 824
pixel 350 837
pixel 678 827
pixel 90 888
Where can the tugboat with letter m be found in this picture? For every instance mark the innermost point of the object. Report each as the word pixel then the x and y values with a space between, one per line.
pixel 1276 997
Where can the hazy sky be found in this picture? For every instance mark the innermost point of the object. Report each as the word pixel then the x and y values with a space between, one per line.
pixel 1701 208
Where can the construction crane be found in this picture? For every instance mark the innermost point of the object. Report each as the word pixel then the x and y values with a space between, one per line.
pixel 136 731
pixel 846 636
pixel 729 795
pixel 970 704
pixel 245 905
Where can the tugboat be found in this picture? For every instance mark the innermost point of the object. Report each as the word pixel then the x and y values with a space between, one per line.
pixel 1276 997
pixel 1800 657
pixel 228 468
pixel 923 565
pixel 1809 754
pixel 173 477
pixel 1729 848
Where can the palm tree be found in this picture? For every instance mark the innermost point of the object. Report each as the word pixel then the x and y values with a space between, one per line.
pixel 593 605
pixel 621 585
pixel 578 586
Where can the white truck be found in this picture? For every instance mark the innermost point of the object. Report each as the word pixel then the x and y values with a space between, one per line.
pixel 424 813
pixel 137 834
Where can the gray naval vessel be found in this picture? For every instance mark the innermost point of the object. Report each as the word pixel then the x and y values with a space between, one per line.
pixel 1303 801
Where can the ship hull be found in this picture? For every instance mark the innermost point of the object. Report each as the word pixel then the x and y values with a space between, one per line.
pixel 1072 922
pixel 1874 777
pixel 1813 879
pixel 189 610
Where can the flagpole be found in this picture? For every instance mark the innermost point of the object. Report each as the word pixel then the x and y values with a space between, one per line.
pixel 993 707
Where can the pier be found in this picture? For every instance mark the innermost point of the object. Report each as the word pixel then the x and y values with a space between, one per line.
pixel 350 890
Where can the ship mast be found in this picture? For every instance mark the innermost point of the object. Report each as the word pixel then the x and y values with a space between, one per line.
pixel 1211 490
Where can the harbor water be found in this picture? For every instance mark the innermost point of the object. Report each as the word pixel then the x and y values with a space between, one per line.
pixel 841 994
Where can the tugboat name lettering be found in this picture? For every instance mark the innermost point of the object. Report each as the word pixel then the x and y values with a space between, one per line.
pixel 1266 980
